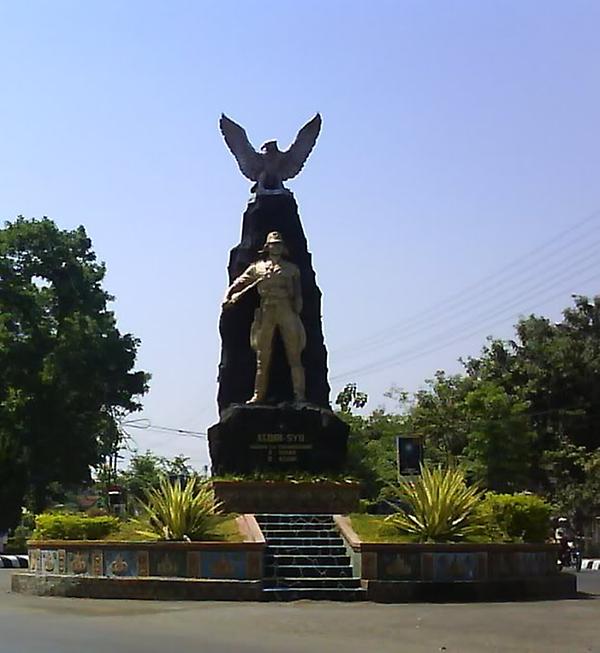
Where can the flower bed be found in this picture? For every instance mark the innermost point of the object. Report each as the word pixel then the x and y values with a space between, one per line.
pixel 120 569
pixel 396 571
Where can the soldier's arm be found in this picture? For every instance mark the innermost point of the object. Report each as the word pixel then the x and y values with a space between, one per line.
pixel 240 283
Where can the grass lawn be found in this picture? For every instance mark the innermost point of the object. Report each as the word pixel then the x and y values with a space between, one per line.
pixel 373 528
pixel 225 530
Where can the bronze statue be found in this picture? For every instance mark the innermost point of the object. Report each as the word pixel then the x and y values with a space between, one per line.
pixel 278 283
pixel 273 166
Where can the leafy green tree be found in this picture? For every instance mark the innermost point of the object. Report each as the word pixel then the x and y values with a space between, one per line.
pixel 526 412
pixel 555 368
pixel 350 397
pixel 179 467
pixel 498 452
pixel 66 368
pixel 438 415
pixel 146 470
pixel 371 443
pixel 13 479
pixel 574 479
pixel 478 423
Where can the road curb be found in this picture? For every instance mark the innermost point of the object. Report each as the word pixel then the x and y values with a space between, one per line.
pixel 14 562
pixel 591 564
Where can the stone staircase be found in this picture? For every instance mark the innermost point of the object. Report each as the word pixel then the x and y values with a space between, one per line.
pixel 306 559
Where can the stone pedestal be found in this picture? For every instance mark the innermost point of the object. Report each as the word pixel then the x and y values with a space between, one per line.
pixel 288 497
pixel 285 437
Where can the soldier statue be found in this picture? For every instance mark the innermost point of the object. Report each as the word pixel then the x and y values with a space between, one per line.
pixel 278 283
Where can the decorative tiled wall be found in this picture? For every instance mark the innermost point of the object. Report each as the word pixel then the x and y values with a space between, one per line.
pixel 400 562
pixel 214 562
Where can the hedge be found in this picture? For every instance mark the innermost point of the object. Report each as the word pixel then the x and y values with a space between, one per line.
pixel 67 526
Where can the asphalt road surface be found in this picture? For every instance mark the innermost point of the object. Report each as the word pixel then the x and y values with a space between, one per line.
pixel 30 624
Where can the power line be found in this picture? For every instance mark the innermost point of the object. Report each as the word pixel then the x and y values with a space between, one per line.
pixel 512 267
pixel 146 425
pixel 405 357
pixel 515 268
pixel 526 288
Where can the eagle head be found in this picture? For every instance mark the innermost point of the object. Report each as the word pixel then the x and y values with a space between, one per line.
pixel 269 147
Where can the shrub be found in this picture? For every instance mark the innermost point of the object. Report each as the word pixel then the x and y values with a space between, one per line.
pixel 70 526
pixel 17 540
pixel 439 506
pixel 516 517
pixel 176 512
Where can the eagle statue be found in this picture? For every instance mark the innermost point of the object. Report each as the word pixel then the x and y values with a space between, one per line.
pixel 269 167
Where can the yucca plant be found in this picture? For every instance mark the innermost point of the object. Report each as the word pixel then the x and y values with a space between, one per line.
pixel 439 506
pixel 176 512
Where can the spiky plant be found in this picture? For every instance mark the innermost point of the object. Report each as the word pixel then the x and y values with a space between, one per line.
pixel 176 512
pixel 439 506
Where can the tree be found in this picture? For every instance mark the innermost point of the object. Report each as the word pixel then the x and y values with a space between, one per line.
pixel 12 480
pixel 438 416
pixel 526 412
pixel 66 368
pixel 350 397
pixel 476 422
pixel 145 471
pixel 499 450
pixel 574 480
pixel 555 368
pixel 371 443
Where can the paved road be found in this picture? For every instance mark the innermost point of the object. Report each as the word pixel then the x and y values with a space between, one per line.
pixel 53 625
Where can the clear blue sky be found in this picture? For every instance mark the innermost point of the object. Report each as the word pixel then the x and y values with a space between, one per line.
pixel 458 136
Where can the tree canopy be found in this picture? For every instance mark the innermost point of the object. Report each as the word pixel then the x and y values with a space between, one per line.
pixel 67 370
pixel 523 415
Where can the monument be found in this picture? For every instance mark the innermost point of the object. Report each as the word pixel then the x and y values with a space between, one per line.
pixel 273 392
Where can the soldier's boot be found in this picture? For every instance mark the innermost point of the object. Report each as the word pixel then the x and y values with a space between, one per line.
pixel 298 383
pixel 260 386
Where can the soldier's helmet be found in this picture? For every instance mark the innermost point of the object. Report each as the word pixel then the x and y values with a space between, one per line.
pixel 274 237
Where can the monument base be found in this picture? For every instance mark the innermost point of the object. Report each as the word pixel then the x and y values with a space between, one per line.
pixel 282 438
pixel 288 497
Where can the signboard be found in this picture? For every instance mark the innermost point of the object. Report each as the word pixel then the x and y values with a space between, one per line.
pixel 409 451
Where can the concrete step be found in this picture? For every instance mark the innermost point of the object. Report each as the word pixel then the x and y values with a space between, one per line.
pixel 297 527
pixel 310 551
pixel 315 583
pixel 293 518
pixel 305 541
pixel 308 571
pixel 299 533
pixel 304 560
pixel 314 594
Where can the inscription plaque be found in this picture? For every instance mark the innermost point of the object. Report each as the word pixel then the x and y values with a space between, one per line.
pixel 280 448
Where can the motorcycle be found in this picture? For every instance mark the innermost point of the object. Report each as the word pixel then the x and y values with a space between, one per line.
pixel 570 556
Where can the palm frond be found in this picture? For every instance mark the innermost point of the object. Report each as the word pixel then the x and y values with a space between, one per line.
pixel 176 512
pixel 440 507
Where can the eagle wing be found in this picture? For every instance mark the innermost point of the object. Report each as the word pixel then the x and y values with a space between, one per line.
pixel 249 160
pixel 294 158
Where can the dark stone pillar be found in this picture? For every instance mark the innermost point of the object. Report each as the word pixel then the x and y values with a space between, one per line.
pixel 238 361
